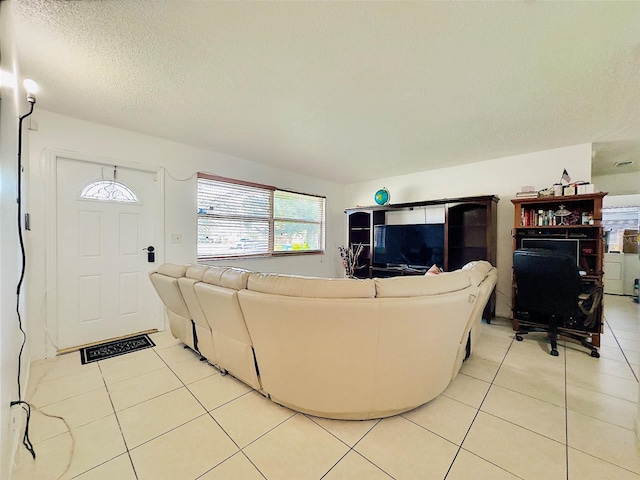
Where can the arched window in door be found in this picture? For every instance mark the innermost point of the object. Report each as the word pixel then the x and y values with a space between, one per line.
pixel 109 191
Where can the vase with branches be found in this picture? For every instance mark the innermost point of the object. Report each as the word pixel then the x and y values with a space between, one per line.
pixel 350 256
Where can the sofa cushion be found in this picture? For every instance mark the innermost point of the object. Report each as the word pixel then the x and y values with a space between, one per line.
pixel 478 270
pixel 311 287
pixel 415 286
pixel 172 270
pixel 481 265
pixel 213 275
pixel 165 281
pixel 235 278
pixel 196 272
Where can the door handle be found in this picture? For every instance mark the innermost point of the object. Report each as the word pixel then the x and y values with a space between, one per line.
pixel 151 254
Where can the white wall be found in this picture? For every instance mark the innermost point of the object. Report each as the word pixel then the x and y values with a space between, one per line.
pixel 618 184
pixel 502 177
pixel 621 201
pixel 10 337
pixel 181 162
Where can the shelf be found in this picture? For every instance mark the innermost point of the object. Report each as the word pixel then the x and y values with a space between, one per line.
pixel 453 248
pixel 589 197
pixel 458 227
pixel 588 236
pixel 555 227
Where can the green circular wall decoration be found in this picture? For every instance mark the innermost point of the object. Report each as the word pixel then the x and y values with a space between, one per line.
pixel 382 196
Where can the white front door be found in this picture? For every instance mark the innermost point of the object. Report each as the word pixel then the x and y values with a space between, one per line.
pixel 105 217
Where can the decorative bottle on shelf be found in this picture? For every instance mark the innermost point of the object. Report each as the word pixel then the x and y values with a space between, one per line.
pixel 563 213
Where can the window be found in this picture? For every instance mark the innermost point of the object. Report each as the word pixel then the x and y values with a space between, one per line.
pixel 109 191
pixel 615 221
pixel 244 219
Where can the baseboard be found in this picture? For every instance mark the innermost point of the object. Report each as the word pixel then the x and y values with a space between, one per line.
pixel 62 351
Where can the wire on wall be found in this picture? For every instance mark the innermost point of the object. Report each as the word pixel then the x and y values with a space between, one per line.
pixel 25 405
pixel 180 179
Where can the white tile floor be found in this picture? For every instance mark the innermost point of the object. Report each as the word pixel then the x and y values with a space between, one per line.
pixel 513 412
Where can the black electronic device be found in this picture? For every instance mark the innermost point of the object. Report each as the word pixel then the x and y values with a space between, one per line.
pixel 412 246
pixel 569 246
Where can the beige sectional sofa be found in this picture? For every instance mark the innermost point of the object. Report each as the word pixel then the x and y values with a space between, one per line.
pixel 335 348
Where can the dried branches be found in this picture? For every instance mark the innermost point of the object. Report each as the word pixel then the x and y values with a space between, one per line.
pixel 350 256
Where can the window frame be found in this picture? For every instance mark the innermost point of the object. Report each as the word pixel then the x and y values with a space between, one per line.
pixel 271 222
pixel 615 221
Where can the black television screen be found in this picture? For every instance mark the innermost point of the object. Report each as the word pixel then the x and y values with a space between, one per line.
pixel 418 246
pixel 569 246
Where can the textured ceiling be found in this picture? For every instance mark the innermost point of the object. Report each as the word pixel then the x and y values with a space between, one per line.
pixel 344 91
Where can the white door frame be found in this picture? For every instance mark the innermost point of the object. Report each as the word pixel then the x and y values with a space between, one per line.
pixel 51 157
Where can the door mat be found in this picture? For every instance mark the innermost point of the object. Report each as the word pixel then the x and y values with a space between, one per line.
pixel 115 348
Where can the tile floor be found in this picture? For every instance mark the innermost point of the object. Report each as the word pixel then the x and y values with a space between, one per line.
pixel 513 412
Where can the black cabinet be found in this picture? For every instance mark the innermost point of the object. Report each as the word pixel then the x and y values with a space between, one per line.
pixel 360 232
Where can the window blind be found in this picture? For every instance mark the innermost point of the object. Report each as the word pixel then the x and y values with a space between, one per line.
pixel 233 219
pixel 298 222
pixel 240 219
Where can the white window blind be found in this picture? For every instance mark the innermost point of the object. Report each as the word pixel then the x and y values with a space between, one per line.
pixel 298 222
pixel 615 221
pixel 233 219
pixel 240 219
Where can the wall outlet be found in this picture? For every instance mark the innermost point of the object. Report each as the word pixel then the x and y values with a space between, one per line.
pixel 176 238
pixel 15 419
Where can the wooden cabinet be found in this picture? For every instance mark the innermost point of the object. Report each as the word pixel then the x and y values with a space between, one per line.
pixel 470 229
pixel 576 219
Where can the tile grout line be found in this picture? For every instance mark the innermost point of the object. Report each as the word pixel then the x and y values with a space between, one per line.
pixel 478 411
pixel 352 448
pixel 620 347
pixel 128 450
pixel 160 394
pixel 115 414
pixel 567 411
pixel 208 412
pixel 241 449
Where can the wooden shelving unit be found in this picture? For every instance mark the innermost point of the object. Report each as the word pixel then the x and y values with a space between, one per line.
pixel 470 233
pixel 535 218
pixel 471 227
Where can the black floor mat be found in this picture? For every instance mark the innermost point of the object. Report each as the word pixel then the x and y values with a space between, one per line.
pixel 115 348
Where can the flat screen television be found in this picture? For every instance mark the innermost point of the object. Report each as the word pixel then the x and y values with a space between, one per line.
pixel 416 246
pixel 570 246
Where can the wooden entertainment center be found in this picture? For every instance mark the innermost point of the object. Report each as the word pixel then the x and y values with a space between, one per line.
pixel 538 219
pixel 470 230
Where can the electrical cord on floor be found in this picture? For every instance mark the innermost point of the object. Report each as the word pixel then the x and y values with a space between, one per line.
pixel 73 442
pixel 33 408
